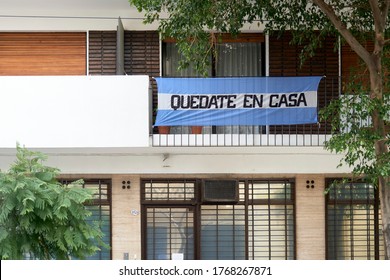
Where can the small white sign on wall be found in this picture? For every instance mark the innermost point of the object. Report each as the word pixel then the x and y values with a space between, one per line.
pixel 177 256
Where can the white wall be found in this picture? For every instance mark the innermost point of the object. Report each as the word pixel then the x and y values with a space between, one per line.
pixel 223 160
pixel 73 15
pixel 70 15
pixel 74 111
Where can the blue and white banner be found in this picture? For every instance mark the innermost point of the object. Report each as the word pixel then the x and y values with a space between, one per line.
pixel 237 101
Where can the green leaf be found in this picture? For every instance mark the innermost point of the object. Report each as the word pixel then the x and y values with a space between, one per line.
pixel 37 212
pixel 45 176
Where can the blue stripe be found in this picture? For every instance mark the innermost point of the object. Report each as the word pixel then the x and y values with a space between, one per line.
pixel 279 116
pixel 237 85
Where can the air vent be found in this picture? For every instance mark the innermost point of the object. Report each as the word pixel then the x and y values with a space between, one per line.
pixel 220 191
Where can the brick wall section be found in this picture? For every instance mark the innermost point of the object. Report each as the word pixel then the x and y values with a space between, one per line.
pixel 126 217
pixel 310 216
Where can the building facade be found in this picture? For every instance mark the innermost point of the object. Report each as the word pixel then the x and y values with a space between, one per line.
pixel 78 84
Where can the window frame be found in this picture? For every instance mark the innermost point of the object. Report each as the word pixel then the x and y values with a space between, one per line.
pixel 351 202
pixel 245 202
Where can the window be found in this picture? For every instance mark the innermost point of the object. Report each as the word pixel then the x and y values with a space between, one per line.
pixel 259 226
pixel 243 56
pixel 353 222
pixel 100 207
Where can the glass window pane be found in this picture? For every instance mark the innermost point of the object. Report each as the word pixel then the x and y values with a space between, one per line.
pixel 238 60
pixel 171 58
pixel 271 232
pixel 169 231
pixel 353 222
pixel 222 232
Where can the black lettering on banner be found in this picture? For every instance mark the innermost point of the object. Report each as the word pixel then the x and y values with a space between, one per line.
pixel 213 102
pixel 203 101
pixel 194 101
pixel 230 102
pixel 253 101
pixel 283 101
pixel 247 101
pixel 292 100
pixel 175 102
pixel 302 99
pixel 257 101
pixel 271 100
pixel 183 103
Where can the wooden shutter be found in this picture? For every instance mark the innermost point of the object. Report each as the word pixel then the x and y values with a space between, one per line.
pixel 142 53
pixel 353 68
pixel 42 53
pixel 102 52
pixel 285 61
pixel 142 57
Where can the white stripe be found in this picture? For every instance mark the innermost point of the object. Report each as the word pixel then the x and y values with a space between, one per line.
pixel 233 101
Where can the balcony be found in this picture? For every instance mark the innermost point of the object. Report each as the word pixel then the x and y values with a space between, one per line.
pixel 74 112
pixel 244 136
pixel 113 113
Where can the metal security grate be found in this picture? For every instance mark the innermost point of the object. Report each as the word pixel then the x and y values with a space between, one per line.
pixel 176 221
pixel 168 190
pixel 223 232
pixel 169 233
pixel 353 222
pixel 271 215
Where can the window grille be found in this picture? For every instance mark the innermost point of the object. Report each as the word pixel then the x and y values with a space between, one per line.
pixel 169 231
pixel 223 232
pixel 353 222
pixel 260 225
pixel 168 190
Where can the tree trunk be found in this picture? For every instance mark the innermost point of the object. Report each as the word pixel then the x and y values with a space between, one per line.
pixel 384 196
pixel 381 147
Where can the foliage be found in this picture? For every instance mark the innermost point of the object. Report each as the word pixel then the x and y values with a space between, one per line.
pixel 39 217
pixel 354 136
pixel 195 24
pixel 353 133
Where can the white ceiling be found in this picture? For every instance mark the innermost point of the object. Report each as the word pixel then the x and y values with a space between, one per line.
pixel 56 6
pixel 68 15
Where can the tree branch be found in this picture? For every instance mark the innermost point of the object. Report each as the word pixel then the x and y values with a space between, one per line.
pixel 377 14
pixel 345 33
pixel 385 12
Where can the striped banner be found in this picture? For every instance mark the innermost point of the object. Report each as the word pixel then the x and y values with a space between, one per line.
pixel 237 101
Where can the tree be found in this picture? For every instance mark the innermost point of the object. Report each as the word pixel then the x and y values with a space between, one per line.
pixel 195 23
pixel 39 217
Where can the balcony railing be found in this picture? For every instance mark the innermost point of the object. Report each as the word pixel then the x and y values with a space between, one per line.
pixel 266 136
pixel 275 135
